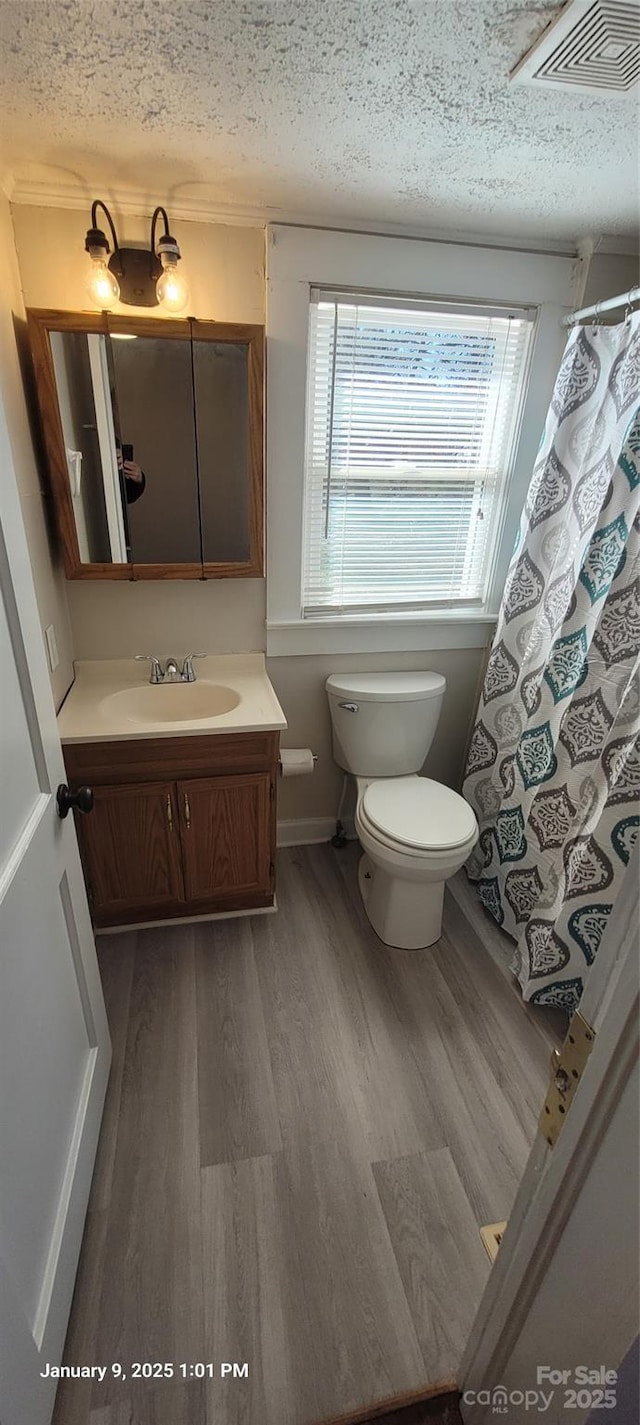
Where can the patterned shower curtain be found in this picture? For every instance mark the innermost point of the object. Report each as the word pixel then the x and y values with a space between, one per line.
pixel 554 763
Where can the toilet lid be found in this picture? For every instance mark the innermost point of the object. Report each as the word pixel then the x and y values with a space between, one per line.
pixel 414 811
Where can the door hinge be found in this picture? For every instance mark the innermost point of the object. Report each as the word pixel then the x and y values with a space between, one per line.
pixel 272 791
pixel 492 1238
pixel 567 1068
pixel 272 870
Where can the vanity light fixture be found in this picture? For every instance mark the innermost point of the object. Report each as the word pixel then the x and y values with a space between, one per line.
pixel 102 284
pixel 139 277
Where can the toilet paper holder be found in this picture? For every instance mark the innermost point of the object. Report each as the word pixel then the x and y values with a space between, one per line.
pixel 296 761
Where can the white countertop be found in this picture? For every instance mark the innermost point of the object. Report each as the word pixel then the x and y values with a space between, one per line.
pixel 105 701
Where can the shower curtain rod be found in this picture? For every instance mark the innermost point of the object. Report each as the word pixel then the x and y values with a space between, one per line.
pixel 624 300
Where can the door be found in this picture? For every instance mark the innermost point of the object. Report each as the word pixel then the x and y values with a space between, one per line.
pixel 560 1309
pixel 54 1042
pixel 131 851
pixel 225 836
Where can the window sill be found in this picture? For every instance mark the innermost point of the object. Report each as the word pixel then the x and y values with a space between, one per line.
pixel 395 633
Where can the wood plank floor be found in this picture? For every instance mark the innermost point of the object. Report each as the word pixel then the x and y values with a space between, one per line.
pixel 304 1131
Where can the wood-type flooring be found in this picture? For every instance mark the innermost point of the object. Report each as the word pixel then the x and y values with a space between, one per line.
pixel 304 1131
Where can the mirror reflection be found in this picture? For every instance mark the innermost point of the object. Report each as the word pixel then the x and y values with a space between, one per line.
pixel 222 424
pixel 156 432
pixel 84 405
pixel 152 406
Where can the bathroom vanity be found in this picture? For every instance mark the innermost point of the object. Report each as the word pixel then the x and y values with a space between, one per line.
pixel 184 794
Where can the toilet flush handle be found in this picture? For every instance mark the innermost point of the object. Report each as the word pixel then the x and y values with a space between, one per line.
pixel 350 707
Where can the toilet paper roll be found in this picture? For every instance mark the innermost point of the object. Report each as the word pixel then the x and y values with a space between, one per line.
pixel 296 761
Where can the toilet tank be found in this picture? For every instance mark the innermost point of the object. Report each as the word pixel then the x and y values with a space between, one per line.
pixel 383 723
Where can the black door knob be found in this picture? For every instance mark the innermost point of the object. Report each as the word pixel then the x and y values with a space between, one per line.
pixel 65 799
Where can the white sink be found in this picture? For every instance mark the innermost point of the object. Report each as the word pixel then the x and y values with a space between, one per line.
pixel 171 702
pixel 111 699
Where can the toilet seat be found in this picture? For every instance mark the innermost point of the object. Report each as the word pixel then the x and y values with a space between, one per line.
pixel 416 815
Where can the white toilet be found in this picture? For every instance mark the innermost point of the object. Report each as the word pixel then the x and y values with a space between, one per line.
pixel 415 832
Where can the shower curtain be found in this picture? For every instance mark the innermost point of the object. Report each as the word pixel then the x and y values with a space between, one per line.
pixel 553 771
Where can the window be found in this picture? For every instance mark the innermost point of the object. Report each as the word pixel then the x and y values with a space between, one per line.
pixel 412 414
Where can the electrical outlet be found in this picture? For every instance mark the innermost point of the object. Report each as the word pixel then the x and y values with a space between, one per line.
pixel 52 647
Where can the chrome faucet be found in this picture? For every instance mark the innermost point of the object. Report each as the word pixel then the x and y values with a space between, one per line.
pixel 188 674
pixel 170 673
pixel 157 675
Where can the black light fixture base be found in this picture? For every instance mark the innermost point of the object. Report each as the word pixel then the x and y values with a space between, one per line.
pixel 137 271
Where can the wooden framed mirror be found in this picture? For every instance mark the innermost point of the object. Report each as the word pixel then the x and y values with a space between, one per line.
pixel 153 433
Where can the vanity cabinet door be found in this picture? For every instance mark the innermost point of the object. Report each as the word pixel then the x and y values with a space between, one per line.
pixel 131 850
pixel 226 837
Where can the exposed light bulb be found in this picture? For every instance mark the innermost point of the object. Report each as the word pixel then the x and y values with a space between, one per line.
pixel 101 285
pixel 171 289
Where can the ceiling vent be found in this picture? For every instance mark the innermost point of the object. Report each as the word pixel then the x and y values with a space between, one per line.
pixel 593 45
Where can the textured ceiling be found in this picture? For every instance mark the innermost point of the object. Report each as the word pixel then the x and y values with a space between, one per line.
pixel 380 111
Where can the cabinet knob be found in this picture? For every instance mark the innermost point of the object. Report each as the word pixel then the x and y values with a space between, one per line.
pixel 66 799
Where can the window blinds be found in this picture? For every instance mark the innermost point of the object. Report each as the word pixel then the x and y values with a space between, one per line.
pixel 412 412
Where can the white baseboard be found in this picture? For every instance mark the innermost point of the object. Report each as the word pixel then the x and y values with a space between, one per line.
pixel 186 919
pixel 309 831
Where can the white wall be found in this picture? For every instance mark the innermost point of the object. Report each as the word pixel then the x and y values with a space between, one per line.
pixel 609 274
pixel 50 584
pixel 225 268
pixel 299 683
pixel 300 258
pixel 459 651
pixel 297 258
pixel 176 617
